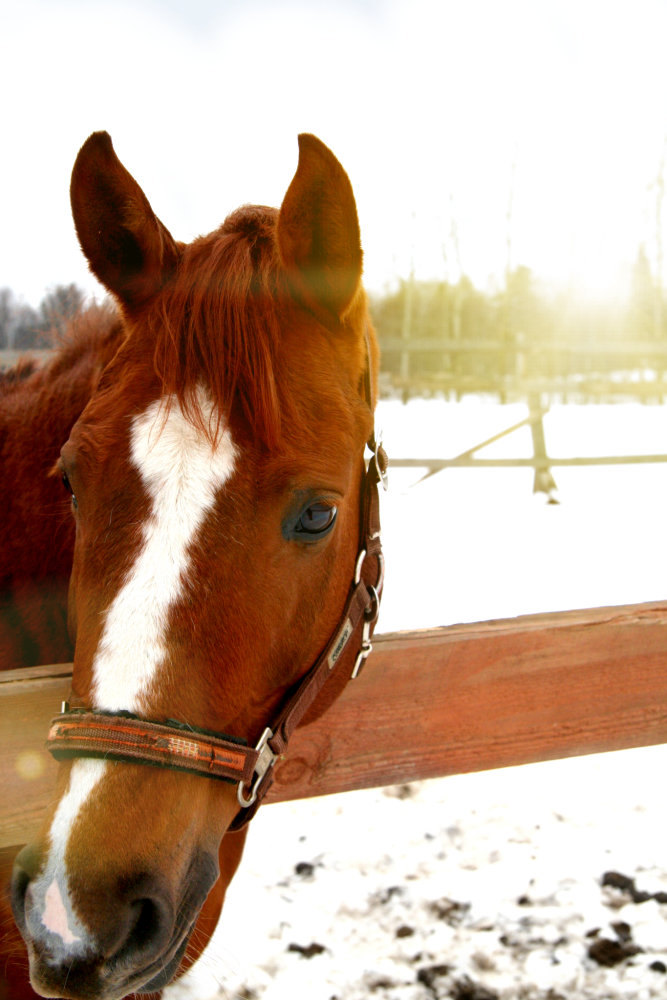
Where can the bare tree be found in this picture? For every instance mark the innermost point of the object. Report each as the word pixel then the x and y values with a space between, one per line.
pixel 28 332
pixel 6 318
pixel 59 306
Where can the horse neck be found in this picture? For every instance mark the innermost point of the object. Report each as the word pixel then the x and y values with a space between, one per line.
pixel 37 413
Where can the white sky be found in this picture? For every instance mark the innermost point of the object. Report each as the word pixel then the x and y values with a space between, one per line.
pixel 427 104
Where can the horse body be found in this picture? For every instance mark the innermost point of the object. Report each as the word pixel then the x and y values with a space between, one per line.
pixel 214 461
pixel 38 408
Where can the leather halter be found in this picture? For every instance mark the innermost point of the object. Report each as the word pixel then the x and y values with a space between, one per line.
pixel 177 746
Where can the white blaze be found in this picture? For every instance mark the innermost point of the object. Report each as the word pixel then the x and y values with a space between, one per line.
pixel 55 917
pixel 181 472
pixel 50 906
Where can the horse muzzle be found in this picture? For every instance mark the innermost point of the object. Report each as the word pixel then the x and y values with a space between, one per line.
pixel 136 945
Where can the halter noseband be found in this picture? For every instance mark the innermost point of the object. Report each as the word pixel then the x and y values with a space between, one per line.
pixel 122 736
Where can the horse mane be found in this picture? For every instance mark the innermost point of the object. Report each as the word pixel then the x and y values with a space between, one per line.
pixel 11 377
pixel 39 403
pixel 217 323
pixel 92 332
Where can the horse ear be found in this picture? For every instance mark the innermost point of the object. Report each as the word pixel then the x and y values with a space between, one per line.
pixel 318 230
pixel 127 246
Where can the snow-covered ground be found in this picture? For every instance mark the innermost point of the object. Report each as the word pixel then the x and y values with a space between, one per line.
pixel 475 544
pixel 488 885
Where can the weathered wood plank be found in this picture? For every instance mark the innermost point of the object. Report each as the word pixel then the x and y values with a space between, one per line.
pixel 432 703
pixel 28 700
pixel 474 697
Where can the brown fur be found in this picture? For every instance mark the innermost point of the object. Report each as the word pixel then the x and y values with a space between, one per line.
pixel 38 407
pixel 269 315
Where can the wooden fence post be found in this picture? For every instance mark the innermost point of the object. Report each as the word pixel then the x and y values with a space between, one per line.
pixel 544 481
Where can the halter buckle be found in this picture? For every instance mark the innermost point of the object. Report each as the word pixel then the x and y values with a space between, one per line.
pixel 265 762
pixel 370 617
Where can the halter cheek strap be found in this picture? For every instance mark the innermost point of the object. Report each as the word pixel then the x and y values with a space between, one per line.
pixel 345 653
pixel 123 737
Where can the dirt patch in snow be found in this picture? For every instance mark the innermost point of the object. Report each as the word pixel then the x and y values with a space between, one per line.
pixel 539 883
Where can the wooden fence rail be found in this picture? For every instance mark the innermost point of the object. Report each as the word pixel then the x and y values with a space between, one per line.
pixel 469 462
pixel 540 461
pixel 428 704
pixel 604 348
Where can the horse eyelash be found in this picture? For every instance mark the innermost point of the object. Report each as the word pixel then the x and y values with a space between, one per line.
pixel 60 471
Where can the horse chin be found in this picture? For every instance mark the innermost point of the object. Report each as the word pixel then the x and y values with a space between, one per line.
pixel 166 974
pixel 95 980
pixel 153 979
pixel 98 987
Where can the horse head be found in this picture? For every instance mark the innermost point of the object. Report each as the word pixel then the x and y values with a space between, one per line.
pixel 215 478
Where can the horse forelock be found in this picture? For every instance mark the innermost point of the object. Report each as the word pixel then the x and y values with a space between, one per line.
pixel 218 323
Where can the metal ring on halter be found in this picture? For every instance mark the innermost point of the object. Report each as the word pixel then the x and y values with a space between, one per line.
pixel 357 569
pixel 360 562
pixel 370 617
pixel 373 610
pixel 365 651
pixel 380 580
pixel 382 474
pixel 265 761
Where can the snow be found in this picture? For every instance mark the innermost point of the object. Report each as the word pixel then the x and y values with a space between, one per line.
pixel 479 545
pixel 486 885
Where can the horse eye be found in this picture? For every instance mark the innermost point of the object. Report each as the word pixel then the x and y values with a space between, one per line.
pixel 68 486
pixel 316 519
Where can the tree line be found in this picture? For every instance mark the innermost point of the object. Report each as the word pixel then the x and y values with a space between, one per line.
pixel 23 328
pixel 518 326
pixel 521 328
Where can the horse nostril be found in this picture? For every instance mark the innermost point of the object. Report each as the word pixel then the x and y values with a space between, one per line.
pixel 147 925
pixel 26 867
pixel 20 883
pixel 149 922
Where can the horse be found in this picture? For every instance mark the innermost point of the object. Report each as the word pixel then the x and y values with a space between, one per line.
pixel 191 468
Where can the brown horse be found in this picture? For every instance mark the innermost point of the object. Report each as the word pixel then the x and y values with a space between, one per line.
pixel 210 436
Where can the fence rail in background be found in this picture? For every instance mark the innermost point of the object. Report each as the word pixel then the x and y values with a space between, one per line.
pixel 516 369
pixel 428 704
pixel 436 464
pixel 540 461
pixel 596 348
pixel 510 388
pixel 8 358
pixel 536 391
